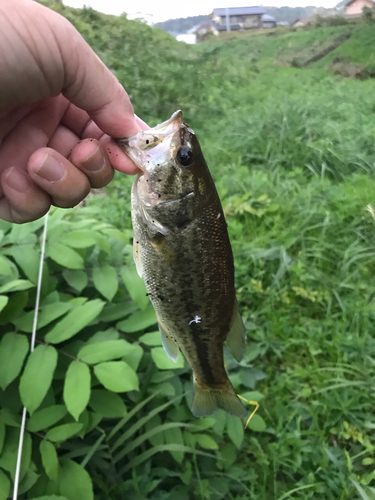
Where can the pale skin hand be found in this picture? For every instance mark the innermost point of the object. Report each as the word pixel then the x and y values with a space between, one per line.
pixel 59 106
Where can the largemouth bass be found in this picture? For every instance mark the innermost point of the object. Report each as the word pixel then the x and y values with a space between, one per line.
pixel 183 253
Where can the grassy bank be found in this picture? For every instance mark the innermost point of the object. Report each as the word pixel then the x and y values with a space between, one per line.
pixel 292 154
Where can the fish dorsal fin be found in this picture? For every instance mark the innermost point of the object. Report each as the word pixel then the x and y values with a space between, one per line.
pixel 169 344
pixel 236 340
pixel 137 257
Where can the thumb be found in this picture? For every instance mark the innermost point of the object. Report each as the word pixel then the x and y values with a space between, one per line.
pixel 90 85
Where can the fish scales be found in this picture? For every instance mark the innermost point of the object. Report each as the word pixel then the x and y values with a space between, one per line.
pixel 182 250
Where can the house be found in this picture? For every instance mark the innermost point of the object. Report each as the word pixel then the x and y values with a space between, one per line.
pixel 354 7
pixel 302 21
pixel 243 17
pixel 268 21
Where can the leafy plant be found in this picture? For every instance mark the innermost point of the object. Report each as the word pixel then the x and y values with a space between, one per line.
pixel 96 361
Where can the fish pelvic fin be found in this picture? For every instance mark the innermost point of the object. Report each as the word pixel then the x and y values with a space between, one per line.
pixel 236 339
pixel 207 400
pixel 169 344
pixel 137 256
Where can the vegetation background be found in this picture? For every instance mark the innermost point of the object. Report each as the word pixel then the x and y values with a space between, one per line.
pixel 292 153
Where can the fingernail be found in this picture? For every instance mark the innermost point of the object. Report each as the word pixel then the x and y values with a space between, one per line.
pixel 50 169
pixel 18 180
pixel 94 162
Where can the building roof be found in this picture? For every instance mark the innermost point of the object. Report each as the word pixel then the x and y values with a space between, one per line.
pixel 268 18
pixel 240 11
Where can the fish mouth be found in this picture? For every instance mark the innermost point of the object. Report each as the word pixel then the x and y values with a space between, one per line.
pixel 139 146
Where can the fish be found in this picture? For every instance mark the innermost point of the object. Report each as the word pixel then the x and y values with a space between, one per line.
pixel 182 251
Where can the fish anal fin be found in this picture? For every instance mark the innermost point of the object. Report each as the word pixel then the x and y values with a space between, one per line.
pixel 236 339
pixel 169 344
pixel 207 400
pixel 137 257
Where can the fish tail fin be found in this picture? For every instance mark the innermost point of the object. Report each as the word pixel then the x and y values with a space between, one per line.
pixel 207 400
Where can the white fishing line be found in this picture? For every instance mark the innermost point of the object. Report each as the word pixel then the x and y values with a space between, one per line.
pixel 32 346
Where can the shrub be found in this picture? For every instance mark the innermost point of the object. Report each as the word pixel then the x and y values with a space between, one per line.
pixel 105 402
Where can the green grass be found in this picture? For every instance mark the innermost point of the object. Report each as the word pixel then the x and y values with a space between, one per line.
pixel 292 153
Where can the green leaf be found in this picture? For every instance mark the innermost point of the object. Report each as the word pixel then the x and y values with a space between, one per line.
pixel 75 278
pixel 48 313
pixel 49 459
pixel 77 388
pixel 8 457
pixel 152 339
pixel 163 362
pixel 104 351
pixel 28 259
pixel 174 436
pixel 133 356
pixel 80 239
pixel 17 302
pixel 8 417
pixel 16 285
pixel 105 280
pixel 2 435
pixel 4 486
pixel 75 483
pixel 202 424
pixel 37 376
pixel 3 301
pixel 46 417
pixel 117 376
pixel 206 441
pixel 228 455
pixel 64 256
pixel 135 286
pixel 13 351
pixel 5 266
pixel 235 431
pixel 51 497
pixel 365 461
pixel 257 424
pixel 107 404
pixel 113 312
pixel 104 336
pixel 103 244
pixel 63 432
pixel 253 396
pixel 28 481
pixel 75 321
pixel 138 321
pixel 157 438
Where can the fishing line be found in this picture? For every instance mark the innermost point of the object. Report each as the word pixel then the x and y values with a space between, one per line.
pixel 32 346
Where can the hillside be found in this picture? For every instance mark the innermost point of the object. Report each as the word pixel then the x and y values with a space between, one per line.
pixel 291 150
pixel 281 14
pixel 181 25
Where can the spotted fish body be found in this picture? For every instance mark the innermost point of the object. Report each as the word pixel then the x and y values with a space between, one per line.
pixel 183 253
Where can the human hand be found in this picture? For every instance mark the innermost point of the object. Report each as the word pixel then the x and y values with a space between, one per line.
pixel 59 107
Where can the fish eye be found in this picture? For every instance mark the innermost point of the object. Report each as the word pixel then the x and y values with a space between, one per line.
pixel 185 156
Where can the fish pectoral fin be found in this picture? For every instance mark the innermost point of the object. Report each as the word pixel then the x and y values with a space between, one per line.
pixel 236 339
pixel 207 400
pixel 169 344
pixel 137 257
pixel 153 223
